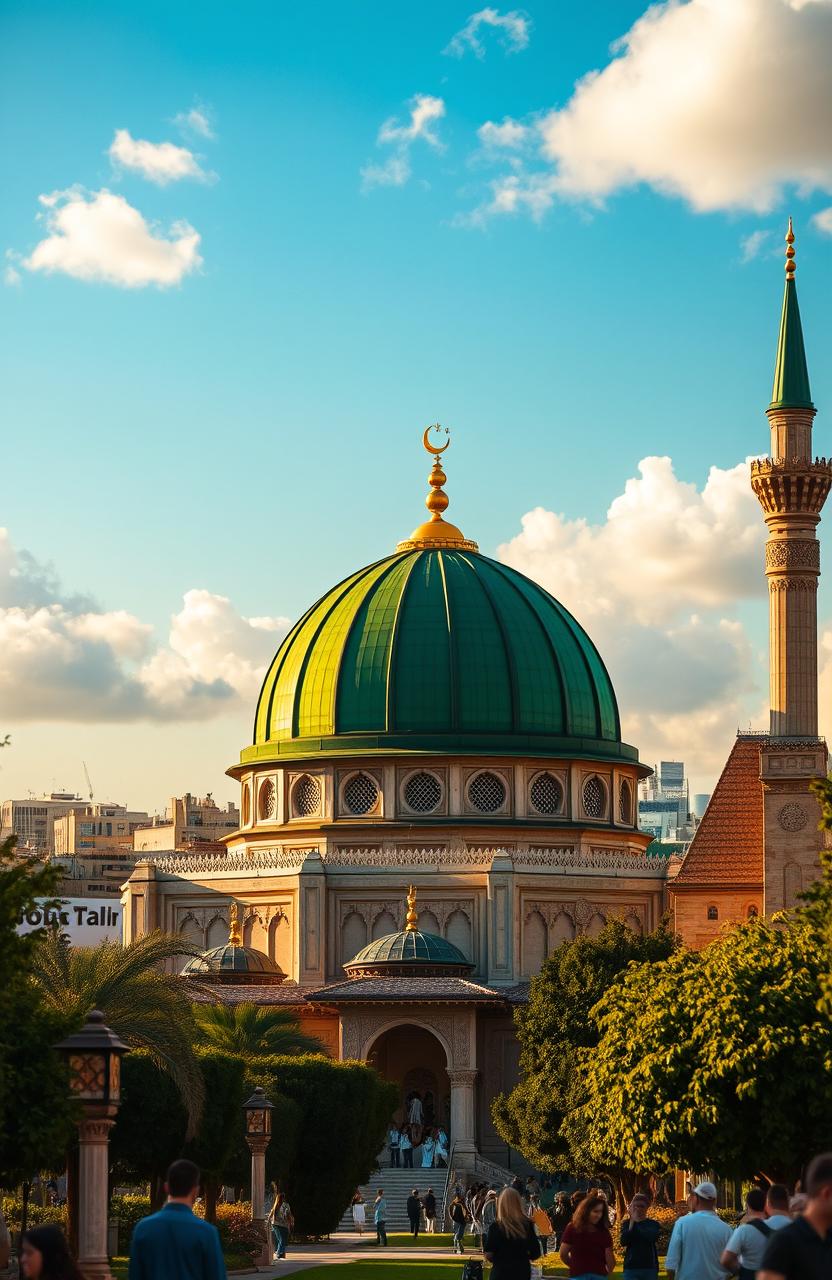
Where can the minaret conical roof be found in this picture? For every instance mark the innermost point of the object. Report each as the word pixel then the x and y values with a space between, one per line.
pixel 791 375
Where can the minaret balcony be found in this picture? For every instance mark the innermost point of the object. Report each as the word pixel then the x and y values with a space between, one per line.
pixel 785 485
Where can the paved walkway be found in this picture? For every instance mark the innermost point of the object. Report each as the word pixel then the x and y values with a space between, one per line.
pixel 348 1246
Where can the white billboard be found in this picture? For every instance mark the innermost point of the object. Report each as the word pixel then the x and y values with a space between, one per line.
pixel 85 921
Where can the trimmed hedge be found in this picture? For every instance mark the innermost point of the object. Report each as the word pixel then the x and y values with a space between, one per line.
pixel 36 1214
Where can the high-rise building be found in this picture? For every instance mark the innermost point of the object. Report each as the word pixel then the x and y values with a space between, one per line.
pixel 32 820
pixel 664 802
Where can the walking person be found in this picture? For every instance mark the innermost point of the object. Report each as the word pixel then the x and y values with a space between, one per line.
pixel 777 1206
pixel 393 1141
pixel 542 1225
pixel 174 1244
pixel 413 1209
pixel 561 1216
pixel 743 1253
pixel 280 1217
pixel 639 1236
pixel 380 1217
pixel 44 1255
pixel 489 1210
pixel 406 1147
pixel 802 1250
pixel 459 1216
pixel 511 1244
pixel 359 1212
pixel 697 1241
pixel 428 1148
pixel 429 1206
pixel 586 1247
pixel 441 1148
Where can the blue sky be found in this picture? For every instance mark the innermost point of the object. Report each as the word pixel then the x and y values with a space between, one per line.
pixel 253 430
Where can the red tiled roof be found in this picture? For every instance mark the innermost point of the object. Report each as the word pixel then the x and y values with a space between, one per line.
pixel 727 848
pixel 418 989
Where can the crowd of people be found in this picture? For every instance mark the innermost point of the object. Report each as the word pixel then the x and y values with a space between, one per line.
pixel 419 1141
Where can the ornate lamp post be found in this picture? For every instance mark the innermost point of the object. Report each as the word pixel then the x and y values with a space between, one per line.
pixel 94 1056
pixel 258 1118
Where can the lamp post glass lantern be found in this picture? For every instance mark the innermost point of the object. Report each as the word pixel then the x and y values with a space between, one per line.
pixel 258 1121
pixel 94 1055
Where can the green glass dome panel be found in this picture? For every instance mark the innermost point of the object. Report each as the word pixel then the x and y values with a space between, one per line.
pixel 437 651
pixel 411 946
pixel 421 692
pixel 362 680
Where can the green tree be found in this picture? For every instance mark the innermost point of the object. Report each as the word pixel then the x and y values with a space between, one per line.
pixel 715 1060
pixel 343 1109
pixel 552 1029
pixel 251 1031
pixel 35 1112
pixel 147 1007
pixel 149 1132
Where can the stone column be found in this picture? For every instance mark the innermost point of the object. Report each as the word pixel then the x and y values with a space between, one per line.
pixel 258 1146
pixel 93 1197
pixel 463 1124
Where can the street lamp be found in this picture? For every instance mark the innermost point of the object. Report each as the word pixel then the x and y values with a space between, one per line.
pixel 258 1120
pixel 94 1056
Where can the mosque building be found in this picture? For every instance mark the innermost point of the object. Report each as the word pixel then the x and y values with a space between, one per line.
pixel 437 794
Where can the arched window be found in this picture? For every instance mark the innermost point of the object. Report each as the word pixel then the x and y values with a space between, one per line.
pixel 546 794
pixel 713 913
pixel 753 911
pixel 246 804
pixel 306 797
pixel 360 793
pixel 594 798
pixel 625 803
pixel 267 800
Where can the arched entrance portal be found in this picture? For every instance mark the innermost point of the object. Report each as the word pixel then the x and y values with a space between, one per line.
pixel 414 1060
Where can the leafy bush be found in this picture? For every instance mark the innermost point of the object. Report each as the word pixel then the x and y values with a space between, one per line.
pixel 238 1233
pixel 129 1209
pixel 37 1214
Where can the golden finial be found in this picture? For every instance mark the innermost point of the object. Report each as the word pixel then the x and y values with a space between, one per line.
pixel 412 917
pixel 790 252
pixel 436 532
pixel 235 937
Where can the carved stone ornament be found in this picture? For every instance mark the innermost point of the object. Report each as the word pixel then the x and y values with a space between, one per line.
pixel 793 553
pixel 793 817
pixel 359 1030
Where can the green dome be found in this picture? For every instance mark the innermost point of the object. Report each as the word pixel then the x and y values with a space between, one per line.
pixel 437 651
pixel 409 951
pixel 234 964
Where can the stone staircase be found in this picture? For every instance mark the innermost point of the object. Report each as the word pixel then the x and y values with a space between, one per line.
pixel 398 1184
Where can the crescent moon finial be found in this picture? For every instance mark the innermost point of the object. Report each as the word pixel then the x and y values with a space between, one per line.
pixel 432 448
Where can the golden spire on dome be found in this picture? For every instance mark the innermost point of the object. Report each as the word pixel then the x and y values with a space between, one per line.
pixel 235 937
pixel 790 263
pixel 412 917
pixel 436 532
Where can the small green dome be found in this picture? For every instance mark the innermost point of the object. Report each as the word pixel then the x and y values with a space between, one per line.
pixel 234 963
pixel 409 952
pixel 442 651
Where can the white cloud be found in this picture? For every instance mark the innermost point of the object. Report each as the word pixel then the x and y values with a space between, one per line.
pixel 99 236
pixel 509 134
pixel 63 659
pixel 424 110
pixel 395 171
pixel 11 275
pixel 513 27
pixel 655 585
pixel 159 162
pixel 751 245
pixel 720 103
pixel 823 221
pixel 197 120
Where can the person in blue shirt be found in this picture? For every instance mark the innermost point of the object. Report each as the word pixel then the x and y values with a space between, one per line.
pixel 174 1244
pixel 698 1240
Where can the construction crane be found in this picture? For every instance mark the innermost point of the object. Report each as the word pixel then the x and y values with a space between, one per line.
pixel 88 778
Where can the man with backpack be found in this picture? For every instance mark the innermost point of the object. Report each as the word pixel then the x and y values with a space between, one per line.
pixel 743 1253
pixel 459 1216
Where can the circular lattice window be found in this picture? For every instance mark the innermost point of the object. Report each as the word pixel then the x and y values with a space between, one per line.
pixel 306 797
pixel 267 800
pixel 625 802
pixel 793 817
pixel 595 798
pixel 360 793
pixel 486 792
pixel 422 792
pixel 546 794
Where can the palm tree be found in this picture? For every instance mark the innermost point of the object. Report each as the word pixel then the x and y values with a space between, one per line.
pixel 251 1032
pixel 147 1007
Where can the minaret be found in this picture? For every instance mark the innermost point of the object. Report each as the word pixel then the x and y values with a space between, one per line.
pixel 792 487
